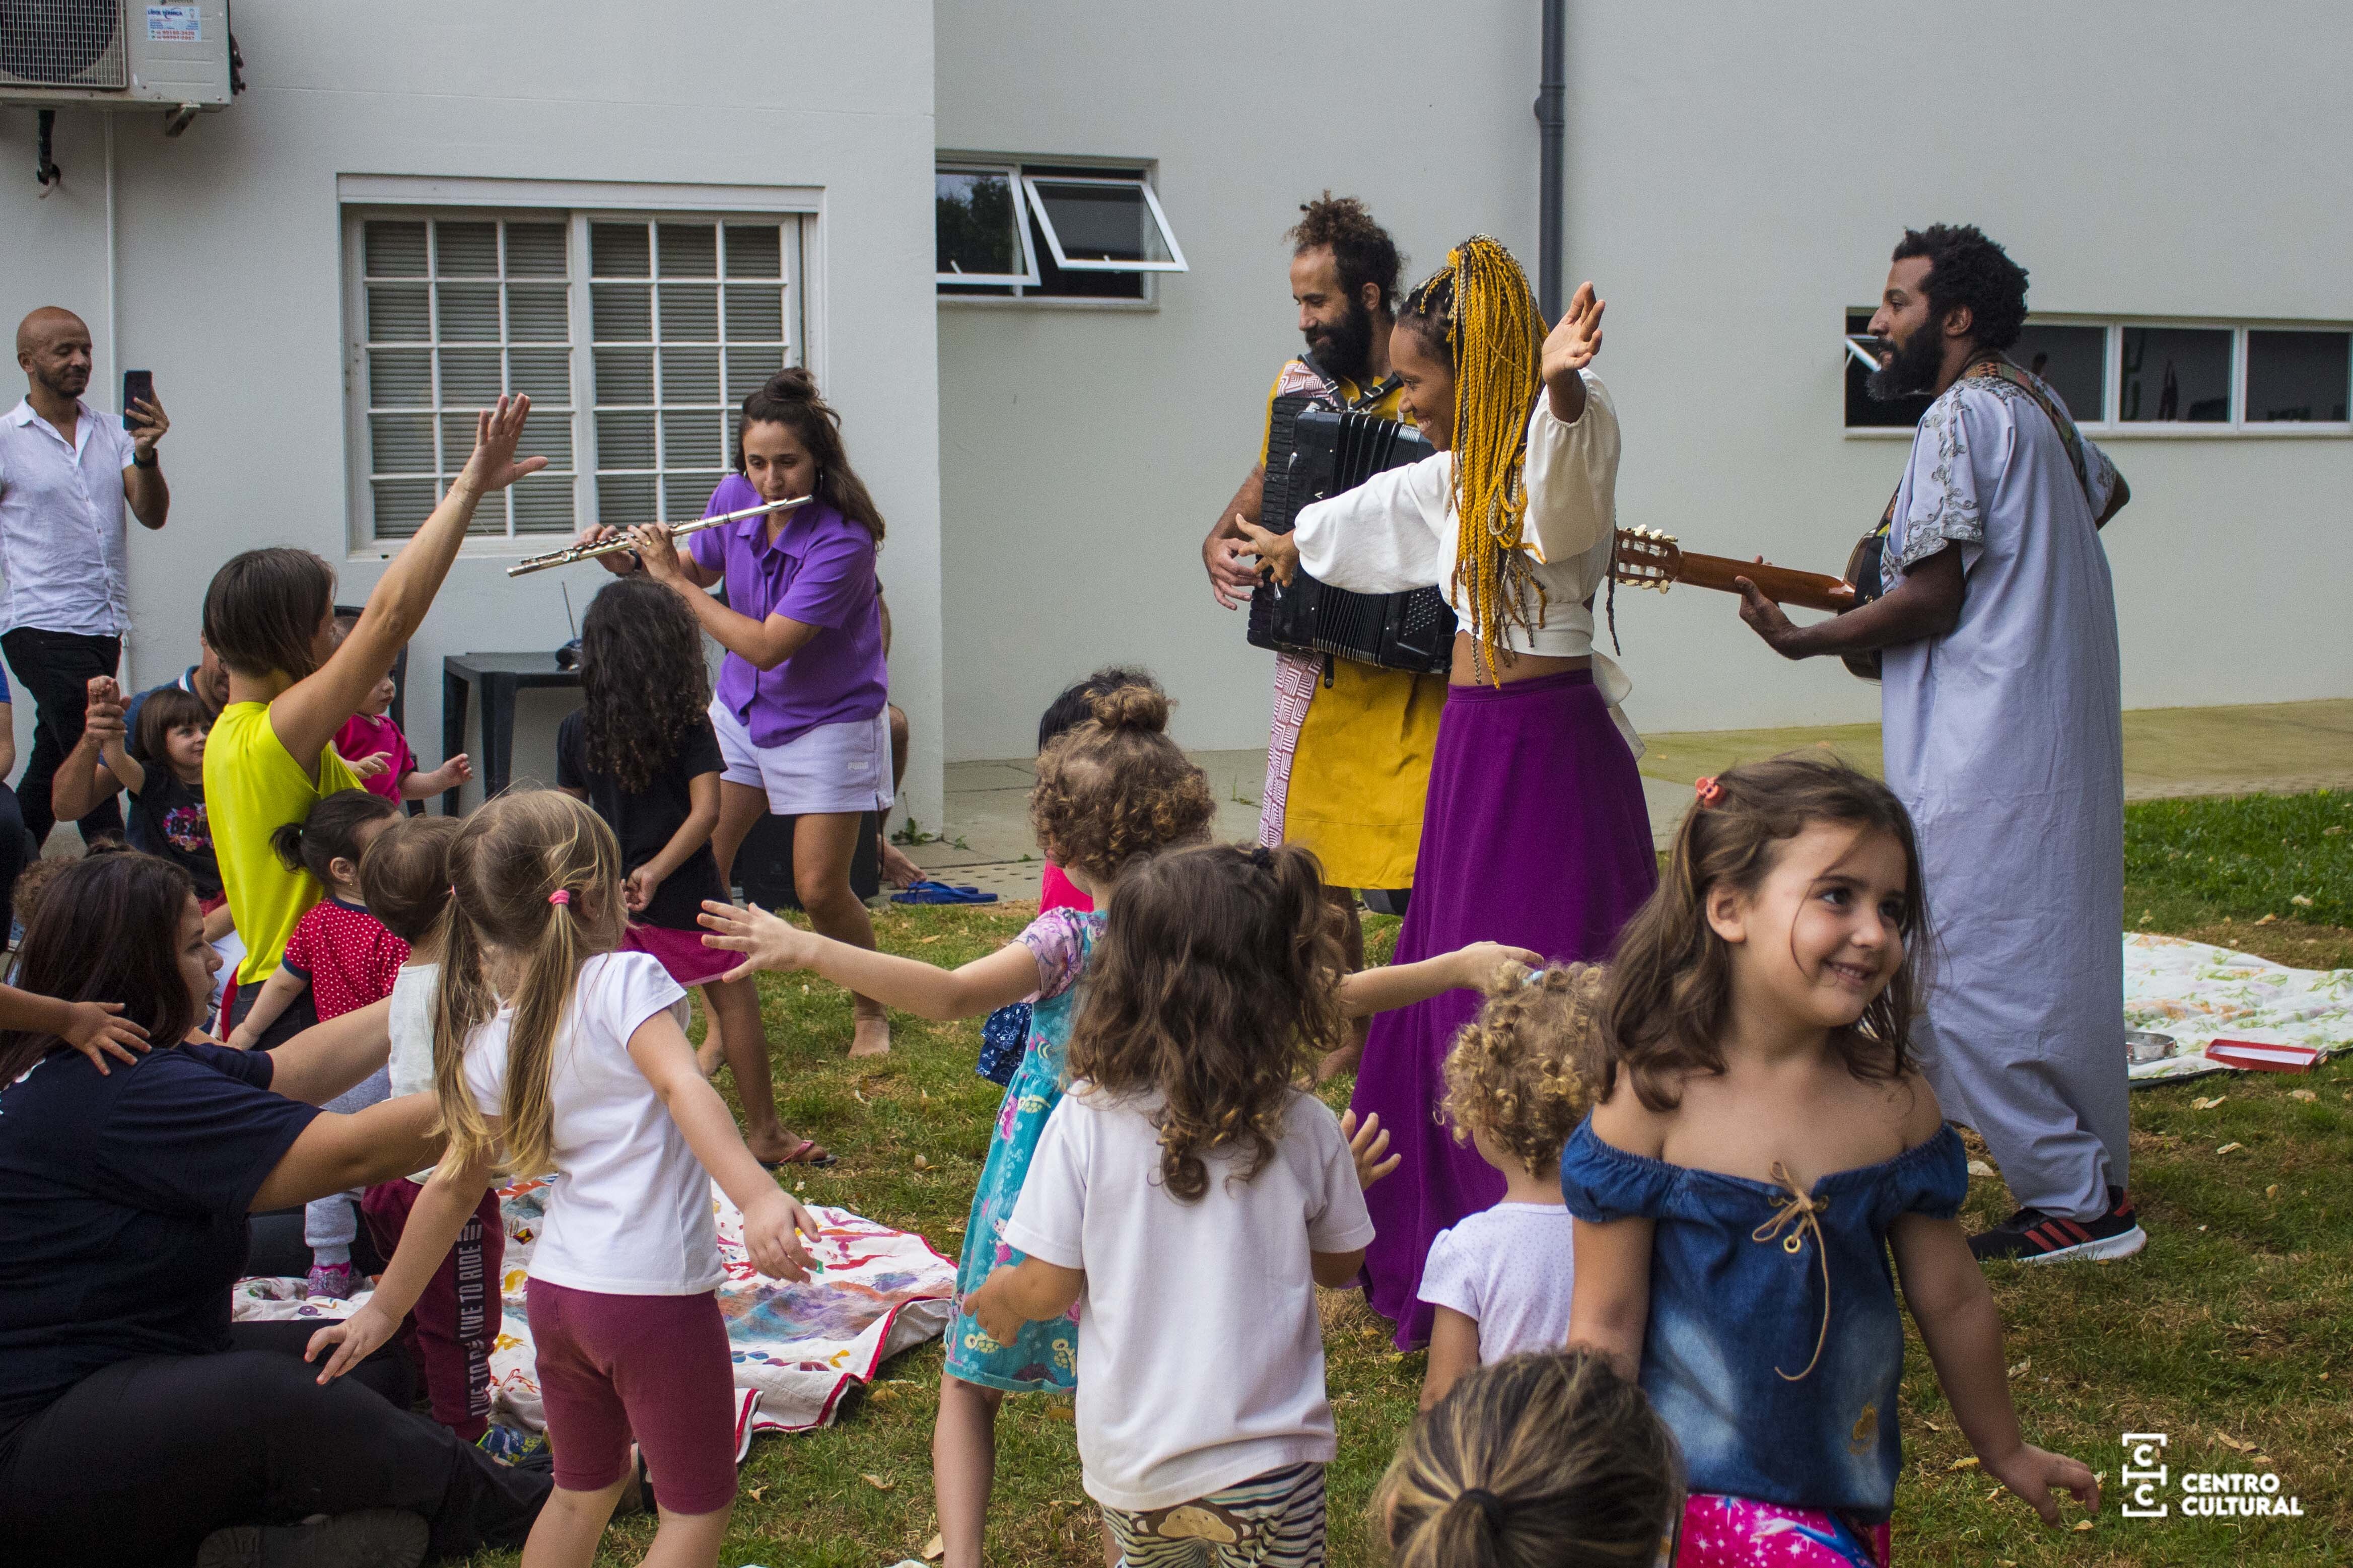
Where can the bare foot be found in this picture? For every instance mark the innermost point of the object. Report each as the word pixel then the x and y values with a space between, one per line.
pixel 873 1038
pixel 897 869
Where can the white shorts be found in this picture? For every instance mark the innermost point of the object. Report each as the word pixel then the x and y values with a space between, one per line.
pixel 832 768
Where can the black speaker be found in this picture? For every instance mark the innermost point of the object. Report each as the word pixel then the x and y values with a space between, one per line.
pixel 764 865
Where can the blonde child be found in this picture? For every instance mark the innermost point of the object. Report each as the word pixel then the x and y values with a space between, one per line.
pixel 1500 1279
pixel 1549 1460
pixel 552 1051
pixel 405 877
pixel 1762 1140
pixel 1186 1196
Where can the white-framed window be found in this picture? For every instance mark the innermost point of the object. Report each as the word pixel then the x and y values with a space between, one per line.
pixel 636 334
pixel 2128 376
pixel 1006 228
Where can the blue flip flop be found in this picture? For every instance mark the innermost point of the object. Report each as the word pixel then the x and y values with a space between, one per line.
pixel 942 893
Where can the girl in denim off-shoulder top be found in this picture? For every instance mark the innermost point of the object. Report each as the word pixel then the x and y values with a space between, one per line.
pixel 1761 1141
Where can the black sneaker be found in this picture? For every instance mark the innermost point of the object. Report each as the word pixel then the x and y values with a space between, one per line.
pixel 372 1538
pixel 2031 1236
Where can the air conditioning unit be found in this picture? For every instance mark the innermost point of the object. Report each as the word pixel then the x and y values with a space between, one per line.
pixel 116 54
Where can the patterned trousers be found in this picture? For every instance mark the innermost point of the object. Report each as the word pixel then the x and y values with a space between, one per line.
pixel 1273 1520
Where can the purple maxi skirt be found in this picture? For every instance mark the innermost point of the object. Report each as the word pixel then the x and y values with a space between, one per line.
pixel 1536 834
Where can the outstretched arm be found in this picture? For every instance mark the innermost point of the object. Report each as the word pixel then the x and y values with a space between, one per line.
pixel 980 987
pixel 1391 985
pixel 441 1211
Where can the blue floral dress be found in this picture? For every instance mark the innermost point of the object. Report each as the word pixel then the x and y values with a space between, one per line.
pixel 1044 1357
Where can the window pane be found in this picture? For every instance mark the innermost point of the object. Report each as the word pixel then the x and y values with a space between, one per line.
pixel 690 250
pixel 538 314
pixel 692 438
pixel 625 440
pixel 690 313
pixel 403 505
pixel 974 222
pixel 2297 376
pixel 2177 374
pixel 1864 412
pixel 2074 361
pixel 535 250
pixel 400 378
pixel 457 440
pixel 398 313
pixel 625 499
pixel 395 249
pixel 549 438
pixel 620 250
pixel 543 503
pixel 747 368
pixel 544 375
pixel 466 250
pixel 624 312
pixel 690 375
pixel 625 375
pixel 470 312
pixel 400 443
pixel 754 251
pixel 470 382
pixel 685 496
pixel 755 314
pixel 1102 223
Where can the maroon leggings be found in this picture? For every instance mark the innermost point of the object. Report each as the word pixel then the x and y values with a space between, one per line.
pixel 656 1366
pixel 456 1321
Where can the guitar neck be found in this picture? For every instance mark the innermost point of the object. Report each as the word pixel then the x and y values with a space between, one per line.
pixel 1806 589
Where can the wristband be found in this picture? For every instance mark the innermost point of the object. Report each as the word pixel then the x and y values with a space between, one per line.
pixel 152 460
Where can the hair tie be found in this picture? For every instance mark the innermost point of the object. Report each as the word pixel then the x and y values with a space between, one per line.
pixel 1491 1507
pixel 1262 857
pixel 1710 792
pixel 561 896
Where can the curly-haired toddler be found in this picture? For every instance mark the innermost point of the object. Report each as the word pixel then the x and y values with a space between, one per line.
pixel 1500 1279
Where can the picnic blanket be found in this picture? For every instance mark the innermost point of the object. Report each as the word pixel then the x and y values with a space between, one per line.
pixel 2196 992
pixel 798 1348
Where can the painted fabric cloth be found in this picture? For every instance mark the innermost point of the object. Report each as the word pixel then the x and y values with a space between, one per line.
pixel 798 1349
pixel 1774 1391
pixel 2195 993
pixel 1274 1521
pixel 1045 1355
pixel 2004 739
pixel 1740 1532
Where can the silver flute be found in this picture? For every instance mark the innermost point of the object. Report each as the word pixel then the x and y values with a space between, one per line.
pixel 571 554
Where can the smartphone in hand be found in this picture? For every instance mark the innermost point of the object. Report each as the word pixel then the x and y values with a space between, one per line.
pixel 138 386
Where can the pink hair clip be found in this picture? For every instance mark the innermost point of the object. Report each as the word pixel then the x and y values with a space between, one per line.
pixel 1710 792
pixel 561 896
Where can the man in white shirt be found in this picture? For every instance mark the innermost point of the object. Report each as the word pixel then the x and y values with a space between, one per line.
pixel 66 471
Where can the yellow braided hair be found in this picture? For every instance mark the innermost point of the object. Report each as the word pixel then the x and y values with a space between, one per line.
pixel 1495 332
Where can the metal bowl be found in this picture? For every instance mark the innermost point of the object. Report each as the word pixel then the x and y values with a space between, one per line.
pixel 2142 1046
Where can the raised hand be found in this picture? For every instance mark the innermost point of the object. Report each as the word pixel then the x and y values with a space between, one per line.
pixel 1366 1144
pixel 1575 338
pixel 104 691
pixel 497 429
pixel 148 427
pixel 97 1030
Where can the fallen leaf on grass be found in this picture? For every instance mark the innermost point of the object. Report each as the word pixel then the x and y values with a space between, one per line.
pixel 2020 1369
pixel 2302 1094
pixel 2300 901
pixel 1980 1168
pixel 1993 1494
pixel 1057 1411
pixel 2272 1191
pixel 755 1493
pixel 935 1548
pixel 1932 1426
pixel 877 1482
pixel 2233 1444
pixel 2081 1524
pixel 881 1396
pixel 2228 1148
pixel 922 1164
pixel 2208 1104
pixel 1969 1464
pixel 2268 921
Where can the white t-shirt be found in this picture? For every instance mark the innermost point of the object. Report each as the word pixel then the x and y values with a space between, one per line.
pixel 1202 1350
pixel 1509 1269
pixel 409 1022
pixel 630 1212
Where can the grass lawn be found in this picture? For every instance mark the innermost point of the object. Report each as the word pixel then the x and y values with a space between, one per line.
pixel 2232 1333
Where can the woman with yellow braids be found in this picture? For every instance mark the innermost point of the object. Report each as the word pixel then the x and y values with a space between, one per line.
pixel 1535 832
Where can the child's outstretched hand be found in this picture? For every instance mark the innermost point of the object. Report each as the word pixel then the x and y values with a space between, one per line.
pixel 97 1031
pixel 1476 964
pixel 773 1229
pixel 354 1340
pixel 766 941
pixel 373 765
pixel 2036 1473
pixel 1366 1144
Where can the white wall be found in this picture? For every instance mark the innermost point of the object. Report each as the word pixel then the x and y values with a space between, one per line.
pixel 230 271
pixel 1736 177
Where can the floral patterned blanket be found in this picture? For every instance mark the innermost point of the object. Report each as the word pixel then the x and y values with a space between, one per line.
pixel 798 1348
pixel 2196 992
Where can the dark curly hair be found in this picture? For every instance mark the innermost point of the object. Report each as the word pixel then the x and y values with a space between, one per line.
pixel 1520 1072
pixel 1213 990
pixel 1076 704
pixel 1361 249
pixel 790 398
pixel 1965 268
pixel 1670 991
pixel 1116 786
pixel 643 679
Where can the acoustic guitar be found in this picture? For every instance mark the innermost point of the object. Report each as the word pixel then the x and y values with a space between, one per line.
pixel 1648 559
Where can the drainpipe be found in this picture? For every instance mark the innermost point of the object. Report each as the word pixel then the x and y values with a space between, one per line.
pixel 1552 122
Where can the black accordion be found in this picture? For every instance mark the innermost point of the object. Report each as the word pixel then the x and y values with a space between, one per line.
pixel 1313 452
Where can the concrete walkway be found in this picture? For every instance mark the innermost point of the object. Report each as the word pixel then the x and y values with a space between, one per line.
pixel 2276 749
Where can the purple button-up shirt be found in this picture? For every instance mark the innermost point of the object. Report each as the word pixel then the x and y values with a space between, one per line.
pixel 818 570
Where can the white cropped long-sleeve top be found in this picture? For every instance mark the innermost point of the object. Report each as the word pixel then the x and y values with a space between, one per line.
pixel 1396 531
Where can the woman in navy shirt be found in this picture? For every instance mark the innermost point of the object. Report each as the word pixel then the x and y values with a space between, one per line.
pixel 135 1419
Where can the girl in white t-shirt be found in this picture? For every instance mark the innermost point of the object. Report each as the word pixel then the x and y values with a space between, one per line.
pixel 552 1051
pixel 1515 1087
pixel 1188 1196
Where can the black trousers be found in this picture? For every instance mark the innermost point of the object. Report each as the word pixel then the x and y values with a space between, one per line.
pixel 54 669
pixel 12 851
pixel 137 1463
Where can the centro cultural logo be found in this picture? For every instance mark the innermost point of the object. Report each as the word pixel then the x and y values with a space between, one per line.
pixel 2205 1494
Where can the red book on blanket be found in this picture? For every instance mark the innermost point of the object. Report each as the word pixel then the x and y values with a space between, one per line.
pixel 2261 1056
